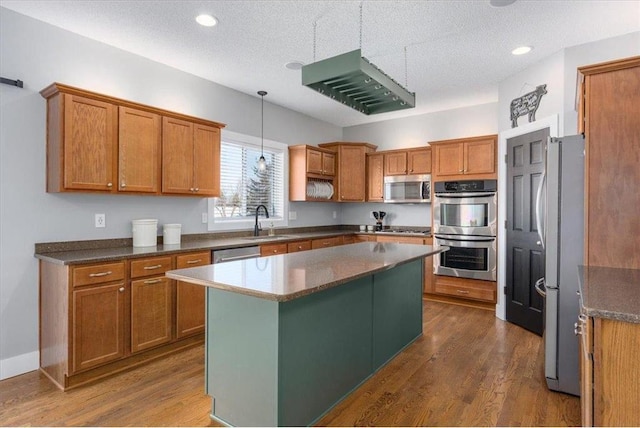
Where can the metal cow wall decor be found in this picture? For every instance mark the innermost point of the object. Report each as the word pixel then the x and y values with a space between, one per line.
pixel 527 104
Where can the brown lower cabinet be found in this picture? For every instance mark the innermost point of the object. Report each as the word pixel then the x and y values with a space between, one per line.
pixel 610 372
pixel 102 318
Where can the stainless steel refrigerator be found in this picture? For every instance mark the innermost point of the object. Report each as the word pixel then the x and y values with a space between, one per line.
pixel 561 229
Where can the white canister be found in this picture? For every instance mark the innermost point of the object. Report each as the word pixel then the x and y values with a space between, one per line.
pixel 145 232
pixel 171 234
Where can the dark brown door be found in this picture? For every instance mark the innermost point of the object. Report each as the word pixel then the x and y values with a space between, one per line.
pixel 525 254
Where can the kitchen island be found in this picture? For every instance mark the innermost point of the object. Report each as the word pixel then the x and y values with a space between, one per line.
pixel 289 336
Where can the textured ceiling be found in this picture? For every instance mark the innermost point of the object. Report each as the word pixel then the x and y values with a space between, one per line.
pixel 457 51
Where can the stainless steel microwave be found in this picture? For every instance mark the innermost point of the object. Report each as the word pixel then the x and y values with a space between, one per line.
pixel 407 189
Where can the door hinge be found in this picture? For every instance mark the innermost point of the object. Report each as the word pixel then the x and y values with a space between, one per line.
pixel 504 289
pixel 505 224
pixel 505 158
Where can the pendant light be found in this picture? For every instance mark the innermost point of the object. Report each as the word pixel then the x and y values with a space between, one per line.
pixel 262 162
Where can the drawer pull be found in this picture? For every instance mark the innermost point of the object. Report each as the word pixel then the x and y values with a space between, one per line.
pixel 299 247
pixel 190 262
pixel 152 267
pixel 99 274
pixel 463 291
pixel 153 281
pixel 121 289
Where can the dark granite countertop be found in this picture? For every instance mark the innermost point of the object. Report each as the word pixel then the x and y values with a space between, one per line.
pixel 290 276
pixel 84 252
pixel 611 293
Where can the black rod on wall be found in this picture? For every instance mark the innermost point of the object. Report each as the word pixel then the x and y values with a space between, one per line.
pixel 6 81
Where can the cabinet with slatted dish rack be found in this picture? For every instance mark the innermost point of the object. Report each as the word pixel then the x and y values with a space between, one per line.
pixel 311 173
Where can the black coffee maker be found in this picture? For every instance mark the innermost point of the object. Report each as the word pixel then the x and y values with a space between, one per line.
pixel 379 215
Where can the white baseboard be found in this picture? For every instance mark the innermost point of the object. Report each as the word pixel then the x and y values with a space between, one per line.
pixel 20 364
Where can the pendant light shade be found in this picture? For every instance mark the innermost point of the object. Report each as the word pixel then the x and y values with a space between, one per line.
pixel 262 162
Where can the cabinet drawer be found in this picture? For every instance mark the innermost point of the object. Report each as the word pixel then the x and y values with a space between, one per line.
pixel 193 259
pixel 485 291
pixel 150 266
pixel 348 239
pixel 294 247
pixel 96 274
pixel 326 242
pixel 271 249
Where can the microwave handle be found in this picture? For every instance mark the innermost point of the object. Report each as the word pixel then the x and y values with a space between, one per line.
pixel 425 189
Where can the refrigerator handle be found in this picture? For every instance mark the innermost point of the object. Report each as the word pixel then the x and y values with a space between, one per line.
pixel 539 225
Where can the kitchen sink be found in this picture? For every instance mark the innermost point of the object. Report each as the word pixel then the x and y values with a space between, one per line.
pixel 267 238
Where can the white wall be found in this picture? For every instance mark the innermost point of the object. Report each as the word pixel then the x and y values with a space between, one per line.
pixel 40 54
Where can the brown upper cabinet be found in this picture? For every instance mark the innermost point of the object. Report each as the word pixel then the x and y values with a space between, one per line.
pixel 190 158
pixel 350 185
pixel 375 177
pixel 411 161
pixel 465 158
pixel 98 143
pixel 610 118
pixel 139 138
pixel 308 164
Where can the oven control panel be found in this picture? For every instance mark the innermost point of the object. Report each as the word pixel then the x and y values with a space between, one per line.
pixel 466 186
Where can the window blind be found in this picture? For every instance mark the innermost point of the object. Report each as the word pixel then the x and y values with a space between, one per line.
pixel 243 186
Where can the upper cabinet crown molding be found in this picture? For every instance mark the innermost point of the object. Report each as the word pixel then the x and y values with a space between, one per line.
pixel 98 143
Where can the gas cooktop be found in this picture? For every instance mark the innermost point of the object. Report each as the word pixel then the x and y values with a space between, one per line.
pixel 407 231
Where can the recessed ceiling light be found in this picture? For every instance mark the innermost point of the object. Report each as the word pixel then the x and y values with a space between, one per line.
pixel 501 3
pixel 521 50
pixel 294 65
pixel 206 20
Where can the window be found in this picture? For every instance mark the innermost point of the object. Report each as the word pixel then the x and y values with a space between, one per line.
pixel 243 186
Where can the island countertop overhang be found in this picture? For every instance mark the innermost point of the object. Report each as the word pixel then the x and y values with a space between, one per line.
pixel 287 277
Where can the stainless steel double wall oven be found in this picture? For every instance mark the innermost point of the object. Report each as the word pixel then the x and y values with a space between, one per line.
pixel 464 219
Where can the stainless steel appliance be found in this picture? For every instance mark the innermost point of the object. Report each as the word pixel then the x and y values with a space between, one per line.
pixel 407 189
pixel 468 256
pixel 561 231
pixel 464 219
pixel 465 207
pixel 220 256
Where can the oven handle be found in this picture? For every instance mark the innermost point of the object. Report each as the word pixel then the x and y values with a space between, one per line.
pixel 466 238
pixel 465 195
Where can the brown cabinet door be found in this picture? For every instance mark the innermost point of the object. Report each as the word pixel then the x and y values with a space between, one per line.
pixel 177 156
pixel 139 140
pixel 352 187
pixel 329 164
pixel 206 154
pixel 375 177
pixel 449 159
pixel 190 298
pixel 97 325
pixel 586 371
pixel 90 144
pixel 419 161
pixel 314 161
pixel 429 286
pixel 395 163
pixel 480 157
pixel 151 309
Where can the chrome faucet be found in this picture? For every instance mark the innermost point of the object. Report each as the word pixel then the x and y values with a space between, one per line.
pixel 257 228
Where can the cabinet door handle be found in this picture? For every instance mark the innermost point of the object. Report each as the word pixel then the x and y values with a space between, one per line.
pixel 197 189
pixel 99 274
pixel 153 281
pixel 461 170
pixel 152 267
pixel 121 289
pixel 577 329
pixel 123 185
pixel 191 189
pixel 299 247
pixel 190 262
pixel 463 291
pixel 109 185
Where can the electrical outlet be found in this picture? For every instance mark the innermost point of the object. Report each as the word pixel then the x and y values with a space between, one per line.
pixel 205 217
pixel 293 215
pixel 100 220
pixel 335 214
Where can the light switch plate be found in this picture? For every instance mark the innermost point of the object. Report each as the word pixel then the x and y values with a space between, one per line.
pixel 205 217
pixel 293 215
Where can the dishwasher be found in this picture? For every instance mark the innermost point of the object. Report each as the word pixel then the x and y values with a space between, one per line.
pixel 231 254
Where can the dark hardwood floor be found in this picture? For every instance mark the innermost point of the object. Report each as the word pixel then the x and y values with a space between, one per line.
pixel 468 369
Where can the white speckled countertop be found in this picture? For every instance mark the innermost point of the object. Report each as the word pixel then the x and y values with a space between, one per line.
pixel 611 293
pixel 289 276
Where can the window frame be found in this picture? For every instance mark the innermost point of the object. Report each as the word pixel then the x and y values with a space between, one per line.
pixel 217 224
